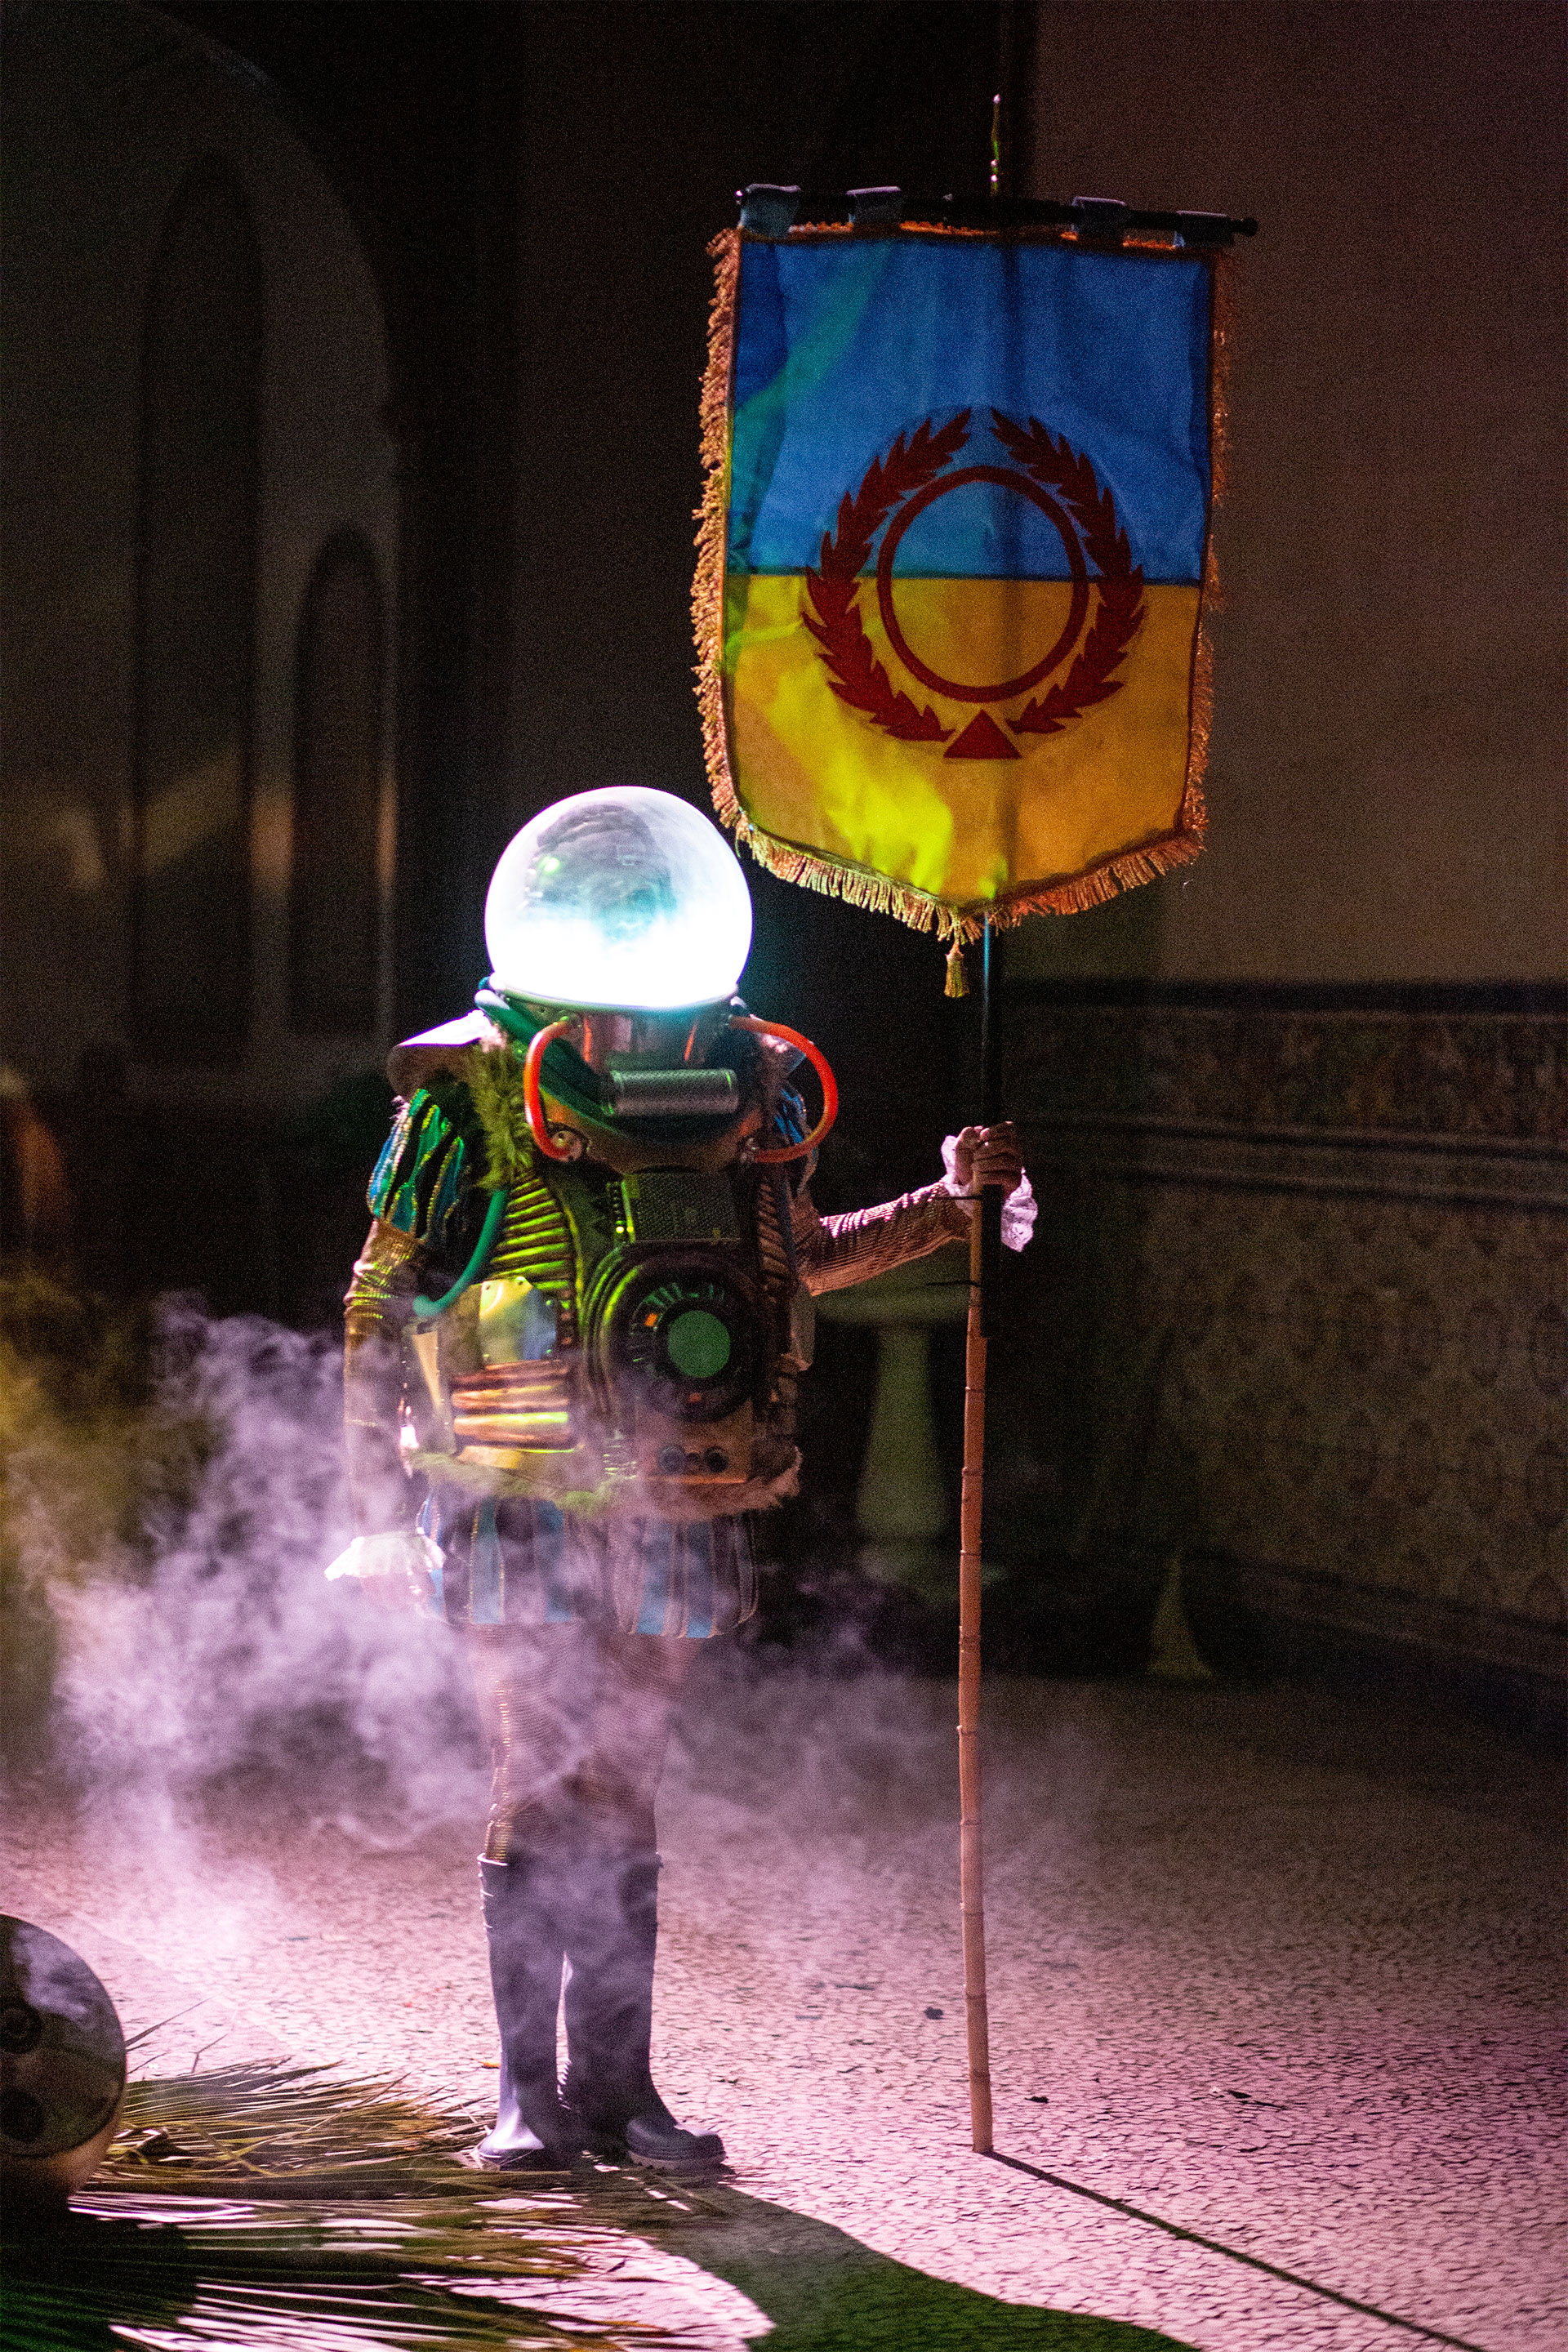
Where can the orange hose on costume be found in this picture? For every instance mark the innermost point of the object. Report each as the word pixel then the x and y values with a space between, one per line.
pixel 818 1061
pixel 532 1101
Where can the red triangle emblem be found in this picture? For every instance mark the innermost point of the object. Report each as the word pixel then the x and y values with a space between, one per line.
pixel 981 739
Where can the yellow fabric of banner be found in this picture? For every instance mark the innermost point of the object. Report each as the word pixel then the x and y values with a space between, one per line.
pixel 811 772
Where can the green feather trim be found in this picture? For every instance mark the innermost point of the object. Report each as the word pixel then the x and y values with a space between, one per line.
pixel 495 1085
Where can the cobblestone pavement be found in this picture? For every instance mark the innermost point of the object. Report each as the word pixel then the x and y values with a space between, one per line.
pixel 1276 1971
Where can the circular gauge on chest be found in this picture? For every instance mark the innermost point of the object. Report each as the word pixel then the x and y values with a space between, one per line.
pixel 685 1333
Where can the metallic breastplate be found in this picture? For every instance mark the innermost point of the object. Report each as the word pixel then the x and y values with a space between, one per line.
pixel 630 1333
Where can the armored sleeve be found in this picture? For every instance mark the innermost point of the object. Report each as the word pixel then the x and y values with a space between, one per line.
pixel 379 1304
pixel 416 1195
pixel 835 1252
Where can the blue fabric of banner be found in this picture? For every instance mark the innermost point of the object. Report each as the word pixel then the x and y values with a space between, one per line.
pixel 845 343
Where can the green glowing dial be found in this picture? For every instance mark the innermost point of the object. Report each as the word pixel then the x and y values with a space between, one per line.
pixel 698 1344
pixel 687 1330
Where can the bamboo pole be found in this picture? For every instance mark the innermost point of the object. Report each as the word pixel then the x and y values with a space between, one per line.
pixel 970 1856
pixel 985 1258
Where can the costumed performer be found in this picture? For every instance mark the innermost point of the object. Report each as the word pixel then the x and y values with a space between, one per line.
pixel 573 1340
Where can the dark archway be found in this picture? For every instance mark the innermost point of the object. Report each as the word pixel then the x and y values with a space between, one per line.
pixel 196 621
pixel 334 886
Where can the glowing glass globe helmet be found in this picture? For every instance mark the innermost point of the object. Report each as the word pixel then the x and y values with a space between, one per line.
pixel 625 900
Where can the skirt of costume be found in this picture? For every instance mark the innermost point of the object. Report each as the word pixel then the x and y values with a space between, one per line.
pixel 515 1561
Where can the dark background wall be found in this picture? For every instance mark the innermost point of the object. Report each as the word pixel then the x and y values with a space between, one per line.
pixel 1386 780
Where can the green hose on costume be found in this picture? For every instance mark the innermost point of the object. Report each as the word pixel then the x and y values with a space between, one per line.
pixel 426 1309
pixel 567 1076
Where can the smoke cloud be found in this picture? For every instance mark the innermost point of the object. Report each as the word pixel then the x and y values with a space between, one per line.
pixel 171 1498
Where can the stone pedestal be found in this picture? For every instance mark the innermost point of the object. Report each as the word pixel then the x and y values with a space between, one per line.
pixel 900 1503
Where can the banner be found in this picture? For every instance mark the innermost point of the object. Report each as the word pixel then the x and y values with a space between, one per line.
pixel 953 565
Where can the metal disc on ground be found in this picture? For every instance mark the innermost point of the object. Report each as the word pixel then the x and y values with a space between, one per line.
pixel 62 2062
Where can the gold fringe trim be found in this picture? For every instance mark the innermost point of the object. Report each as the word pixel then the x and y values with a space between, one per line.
pixel 832 877
pixel 857 886
pixel 1192 822
pixel 1194 818
pixel 1222 344
pixel 957 922
pixel 1126 871
pixel 713 522
pixel 956 982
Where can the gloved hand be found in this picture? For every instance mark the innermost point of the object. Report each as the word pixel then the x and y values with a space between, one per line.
pixel 981 1155
pixel 395 1572
pixel 987 1155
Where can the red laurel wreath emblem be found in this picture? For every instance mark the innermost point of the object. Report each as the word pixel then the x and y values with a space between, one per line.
pixel 1056 477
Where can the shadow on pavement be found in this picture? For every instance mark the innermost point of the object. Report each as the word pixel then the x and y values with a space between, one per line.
pixel 823 2289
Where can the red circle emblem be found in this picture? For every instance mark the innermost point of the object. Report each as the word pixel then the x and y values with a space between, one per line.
pixel 1077 567
pixel 897 488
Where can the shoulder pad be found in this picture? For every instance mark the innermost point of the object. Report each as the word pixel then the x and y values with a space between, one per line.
pixel 418 1060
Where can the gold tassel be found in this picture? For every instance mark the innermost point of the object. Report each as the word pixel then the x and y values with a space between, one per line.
pixel 956 984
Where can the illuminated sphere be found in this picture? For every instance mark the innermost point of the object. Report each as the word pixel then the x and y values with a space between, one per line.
pixel 624 897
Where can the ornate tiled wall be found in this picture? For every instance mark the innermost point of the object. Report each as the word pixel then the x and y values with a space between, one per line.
pixel 1316 1254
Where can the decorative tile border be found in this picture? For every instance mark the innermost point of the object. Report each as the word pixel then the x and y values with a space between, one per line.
pixel 1283 1061
pixel 1452 1171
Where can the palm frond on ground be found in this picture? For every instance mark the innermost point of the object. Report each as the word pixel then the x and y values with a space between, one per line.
pixel 281 2129
pixel 284 2208
pixel 266 2131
